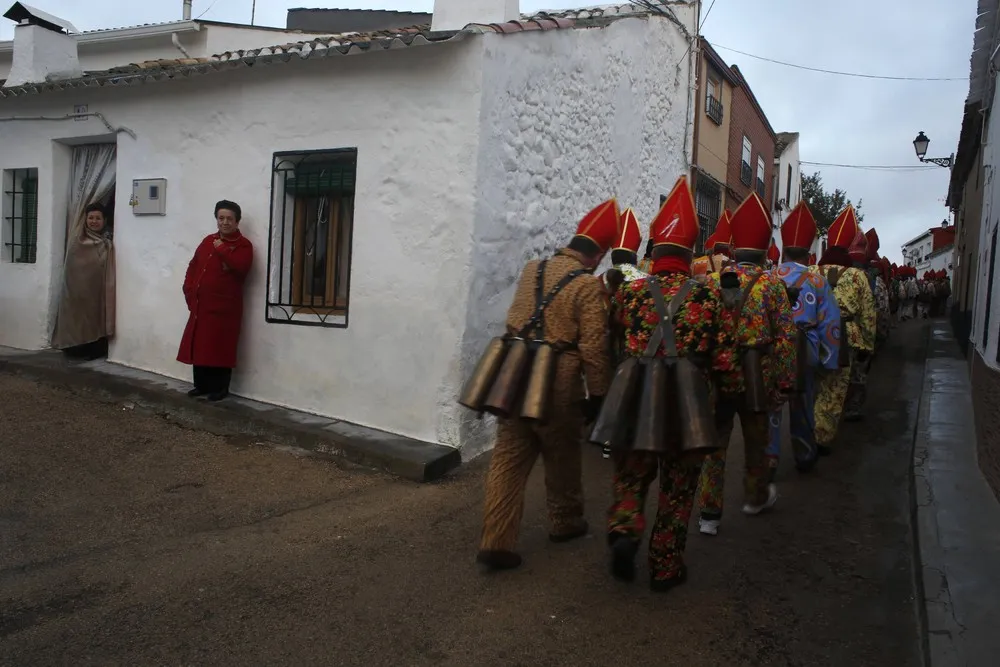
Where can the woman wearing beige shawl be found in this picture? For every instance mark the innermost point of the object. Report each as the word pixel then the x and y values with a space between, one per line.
pixel 86 318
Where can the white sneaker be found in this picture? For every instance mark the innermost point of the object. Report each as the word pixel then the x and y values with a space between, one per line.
pixel 772 498
pixel 708 526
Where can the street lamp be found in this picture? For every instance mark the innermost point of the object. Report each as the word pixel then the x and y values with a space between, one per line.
pixel 920 145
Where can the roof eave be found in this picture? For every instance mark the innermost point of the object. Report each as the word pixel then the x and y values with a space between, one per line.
pixel 124 34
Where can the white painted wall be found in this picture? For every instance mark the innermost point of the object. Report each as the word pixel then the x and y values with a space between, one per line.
pixel 569 119
pixel 789 158
pixel 413 115
pixel 981 317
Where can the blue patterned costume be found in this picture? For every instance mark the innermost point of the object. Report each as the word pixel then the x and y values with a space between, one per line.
pixel 816 312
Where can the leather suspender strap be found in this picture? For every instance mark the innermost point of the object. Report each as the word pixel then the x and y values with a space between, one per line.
pixel 665 328
pixel 537 321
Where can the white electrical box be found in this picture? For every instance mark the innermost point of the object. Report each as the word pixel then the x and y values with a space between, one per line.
pixel 149 196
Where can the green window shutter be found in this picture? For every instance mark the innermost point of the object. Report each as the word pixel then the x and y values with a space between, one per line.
pixel 314 180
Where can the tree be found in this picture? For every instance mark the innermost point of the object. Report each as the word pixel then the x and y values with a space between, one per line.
pixel 826 206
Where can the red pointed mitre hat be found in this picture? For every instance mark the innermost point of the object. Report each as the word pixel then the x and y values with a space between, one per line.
pixel 844 228
pixel 677 222
pixel 630 238
pixel 751 225
pixel 799 230
pixel 859 247
pixel 602 225
pixel 873 244
pixel 772 252
pixel 723 229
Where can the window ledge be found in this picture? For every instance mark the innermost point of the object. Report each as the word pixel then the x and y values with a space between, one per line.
pixel 307 316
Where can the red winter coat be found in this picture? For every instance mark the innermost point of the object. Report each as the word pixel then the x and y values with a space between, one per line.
pixel 213 289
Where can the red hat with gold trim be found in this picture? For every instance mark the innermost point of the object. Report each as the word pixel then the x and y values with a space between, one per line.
pixel 859 247
pixel 873 244
pixel 844 228
pixel 631 237
pixel 677 222
pixel 751 225
pixel 723 231
pixel 772 252
pixel 799 230
pixel 603 225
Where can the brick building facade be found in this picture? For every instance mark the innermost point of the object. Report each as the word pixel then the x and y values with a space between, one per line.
pixel 751 147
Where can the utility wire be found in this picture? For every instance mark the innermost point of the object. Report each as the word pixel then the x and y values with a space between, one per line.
pixel 830 71
pixel 704 20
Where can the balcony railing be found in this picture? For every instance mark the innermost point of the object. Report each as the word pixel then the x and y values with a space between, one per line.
pixel 746 173
pixel 760 188
pixel 714 110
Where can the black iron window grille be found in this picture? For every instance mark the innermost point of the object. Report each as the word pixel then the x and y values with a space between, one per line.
pixel 312 224
pixel 760 188
pixel 20 209
pixel 714 110
pixel 746 173
pixel 708 200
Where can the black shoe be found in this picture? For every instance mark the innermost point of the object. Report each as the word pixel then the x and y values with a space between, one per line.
pixel 623 551
pixel 664 585
pixel 195 393
pixel 217 396
pixel 853 417
pixel 499 560
pixel 570 536
pixel 824 450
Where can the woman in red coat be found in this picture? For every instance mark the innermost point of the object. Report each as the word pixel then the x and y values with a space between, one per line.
pixel 213 289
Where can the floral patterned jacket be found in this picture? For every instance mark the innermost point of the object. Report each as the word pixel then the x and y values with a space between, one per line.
pixel 766 321
pixel 857 305
pixel 698 330
pixel 881 294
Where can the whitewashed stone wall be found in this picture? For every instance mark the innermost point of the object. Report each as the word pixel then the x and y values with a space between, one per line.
pixel 568 119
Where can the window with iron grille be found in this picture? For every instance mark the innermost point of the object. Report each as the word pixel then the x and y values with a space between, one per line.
pixel 312 223
pixel 760 177
pixel 746 171
pixel 713 101
pixel 20 215
pixel 708 200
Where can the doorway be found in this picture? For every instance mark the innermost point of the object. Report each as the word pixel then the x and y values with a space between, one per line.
pixel 86 311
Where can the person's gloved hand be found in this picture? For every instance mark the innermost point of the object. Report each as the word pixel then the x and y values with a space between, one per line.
pixel 592 408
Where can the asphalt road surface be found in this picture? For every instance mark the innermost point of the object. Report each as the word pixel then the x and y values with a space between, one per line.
pixel 125 540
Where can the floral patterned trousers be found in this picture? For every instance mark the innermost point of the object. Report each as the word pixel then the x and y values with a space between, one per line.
pixel 754 425
pixel 801 410
pixel 634 472
pixel 830 393
pixel 857 388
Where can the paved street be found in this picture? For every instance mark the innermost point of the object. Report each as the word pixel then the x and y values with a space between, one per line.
pixel 127 540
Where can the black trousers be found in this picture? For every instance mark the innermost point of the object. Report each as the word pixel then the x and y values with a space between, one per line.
pixel 211 379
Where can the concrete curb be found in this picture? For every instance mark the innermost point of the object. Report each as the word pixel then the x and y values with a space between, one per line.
pixel 956 519
pixel 300 432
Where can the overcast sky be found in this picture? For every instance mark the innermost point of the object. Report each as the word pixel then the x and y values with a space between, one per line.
pixel 844 120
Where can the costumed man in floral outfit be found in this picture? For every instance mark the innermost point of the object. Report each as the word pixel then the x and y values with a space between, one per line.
pixel 880 289
pixel 857 388
pixel 857 328
pixel 699 336
pixel 576 321
pixel 624 257
pixel 717 247
pixel 758 318
pixel 817 317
